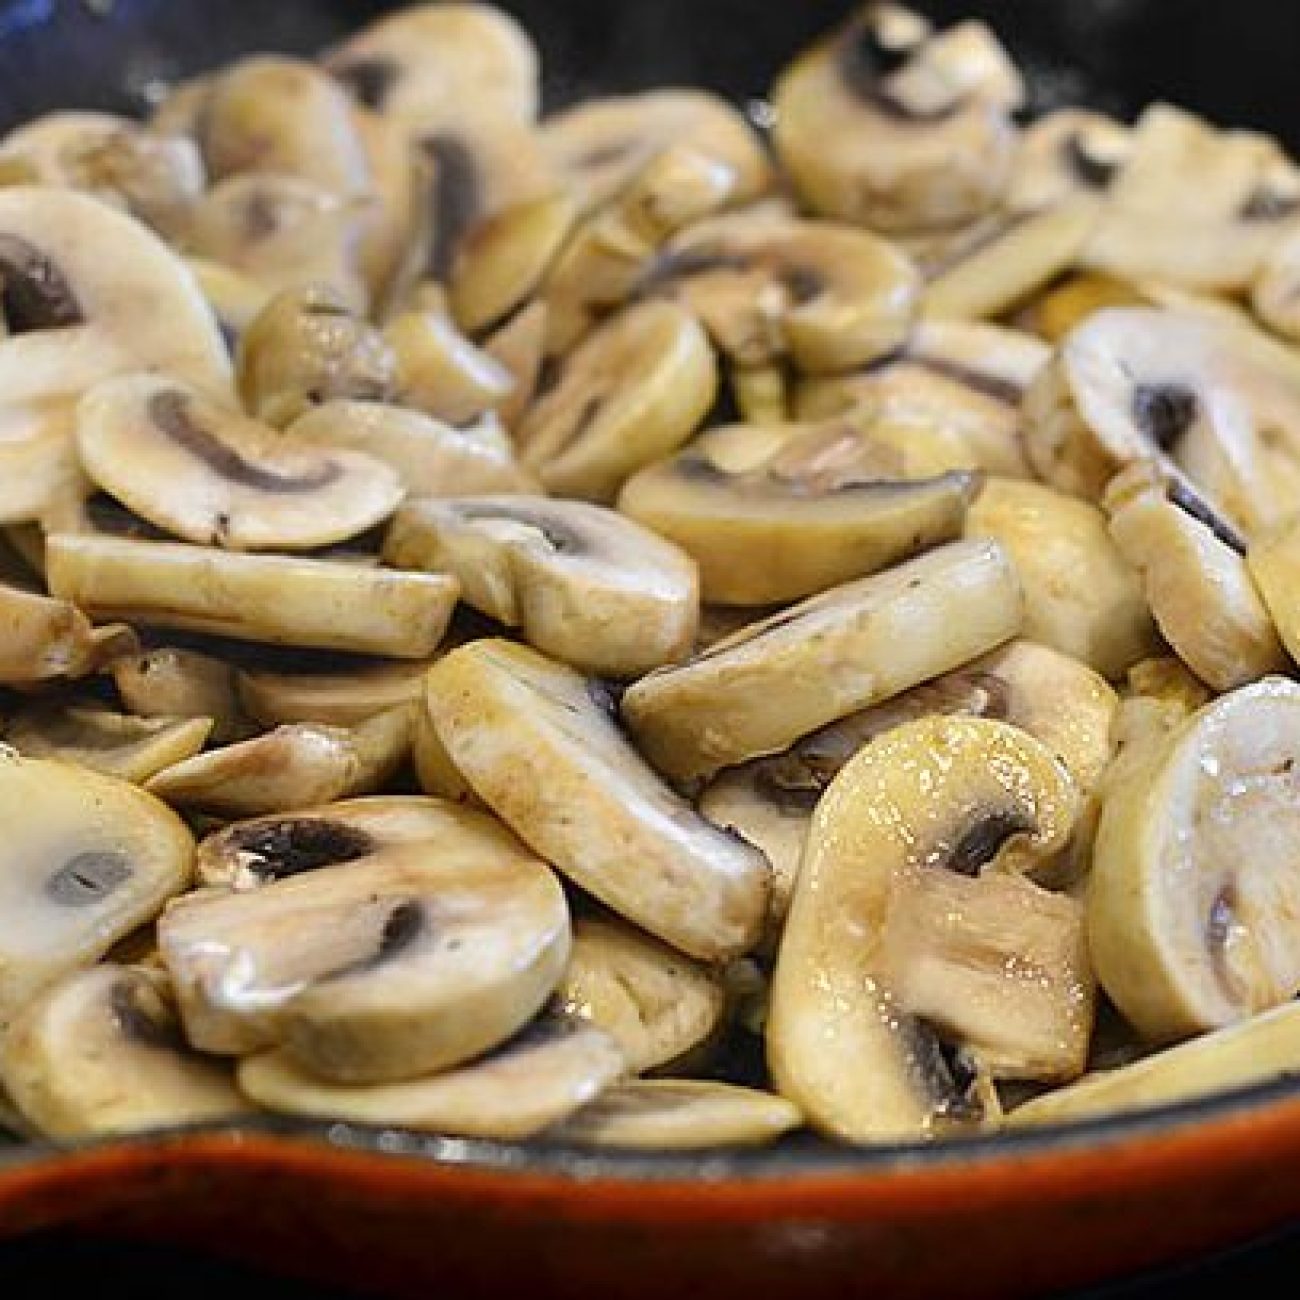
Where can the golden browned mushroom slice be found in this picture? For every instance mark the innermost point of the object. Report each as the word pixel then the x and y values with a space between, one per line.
pixel 178 682
pixel 540 1078
pixel 101 1052
pixel 918 951
pixel 775 514
pixel 1081 596
pixel 1192 904
pixel 87 859
pixel 541 746
pixel 758 691
pixel 679 1115
pixel 635 390
pixel 207 473
pixel 414 957
pixel 42 639
pixel 336 694
pixel 890 124
pixel 656 1004
pixel 583 583
pixel 1067 152
pixel 279 599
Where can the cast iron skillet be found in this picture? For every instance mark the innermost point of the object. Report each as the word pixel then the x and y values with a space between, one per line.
pixel 998 1216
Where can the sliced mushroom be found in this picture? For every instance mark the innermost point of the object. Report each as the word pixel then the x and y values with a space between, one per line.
pixel 1067 152
pixel 410 958
pixel 279 599
pixel 235 298
pixel 583 584
pixel 918 949
pixel 540 745
pixel 1274 564
pixel 338 695
pixel 176 682
pixel 435 773
pixel 758 691
pixel 42 639
pixel 519 345
pixel 87 859
pixel 889 124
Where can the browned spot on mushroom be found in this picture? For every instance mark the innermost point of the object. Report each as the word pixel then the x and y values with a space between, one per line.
pixel 1164 412
pixel 367 80
pixel 299 844
pixel 980 843
pixel 88 878
pixel 1182 495
pixel 456 198
pixel 33 293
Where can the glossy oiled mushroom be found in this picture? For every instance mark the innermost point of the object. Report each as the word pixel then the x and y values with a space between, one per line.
pixel 339 694
pixel 180 682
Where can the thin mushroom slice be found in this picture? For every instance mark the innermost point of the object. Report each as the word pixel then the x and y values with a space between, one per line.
pixel 87 859
pixel 101 1052
pixel 176 682
pixel 1192 903
pixel 1274 564
pixel 537 1080
pixel 413 958
pixel 541 746
pixel 42 639
pixel 1067 152
pixel 338 696
pixel 278 599
pixel 583 583
pixel 758 691
pixel 918 951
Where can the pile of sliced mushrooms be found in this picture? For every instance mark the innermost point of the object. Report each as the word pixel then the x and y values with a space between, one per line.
pixel 642 627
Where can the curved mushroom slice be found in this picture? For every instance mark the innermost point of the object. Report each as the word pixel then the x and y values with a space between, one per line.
pixel 38 455
pixel 87 859
pixel 101 1052
pixel 1081 596
pixel 812 513
pixel 917 948
pixel 1195 577
pixel 758 691
pixel 1194 893
pixel 540 1078
pixel 680 1115
pixel 208 474
pixel 656 1004
pixel 1070 151
pixel 411 959
pixel 541 746
pixel 435 773
pixel 278 599
pixel 889 124
pixel 42 639
pixel 339 696
pixel 635 390
pixel 173 682
pixel 584 584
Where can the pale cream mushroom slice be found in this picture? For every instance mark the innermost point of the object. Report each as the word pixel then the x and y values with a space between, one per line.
pixel 101 1052
pixel 1192 902
pixel 634 391
pixel 337 694
pixel 283 600
pixel 1064 153
pixel 181 682
pixel 1274 564
pixel 772 515
pixel 758 691
pixel 541 746
pixel 541 1077
pixel 919 953
pixel 890 124
pixel 88 858
pixel 583 583
pixel 42 638
pixel 412 958
pixel 435 772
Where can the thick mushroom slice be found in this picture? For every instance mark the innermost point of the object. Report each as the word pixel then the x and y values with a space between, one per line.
pixel 1195 890
pixel 1274 564
pixel 411 958
pixel 336 694
pixel 1067 152
pixel 87 859
pixel 758 691
pixel 101 1052
pixel 918 951
pixel 807 509
pixel 179 682
pixel 583 583
pixel 208 474
pixel 889 124
pixel 540 1078
pixel 279 599
pixel 42 639
pixel 541 746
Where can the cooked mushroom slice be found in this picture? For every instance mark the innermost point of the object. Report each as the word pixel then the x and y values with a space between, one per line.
pixel 918 949
pixel 889 124
pixel 87 859
pixel 38 456
pixel 1057 311
pixel 635 390
pixel 656 1004
pixel 208 474
pixel 540 1078
pixel 1067 152
pixel 541 746
pixel 235 298
pixel 175 682
pixel 435 773
pixel 1195 577
pixel 584 584
pixel 414 958
pixel 101 1052
pixel 520 346
pixel 1193 899
pixel 1274 564
pixel 1276 293
pixel 42 639
pixel 812 513
pixel 338 696
pixel 1081 596
pixel 279 599
pixel 294 766
pixel 758 691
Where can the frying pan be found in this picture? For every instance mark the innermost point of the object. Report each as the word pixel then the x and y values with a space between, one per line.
pixel 402 1214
